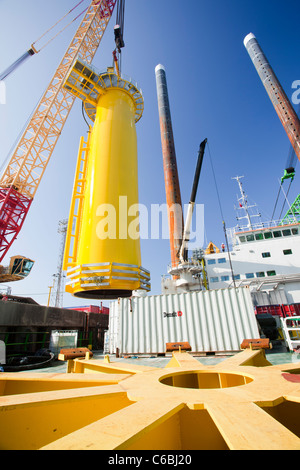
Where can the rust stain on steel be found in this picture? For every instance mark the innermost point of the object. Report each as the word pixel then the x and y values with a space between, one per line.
pixel 289 120
pixel 280 101
pixel 173 195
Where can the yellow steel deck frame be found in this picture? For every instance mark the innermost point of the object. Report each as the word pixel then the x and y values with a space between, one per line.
pixel 102 255
pixel 242 403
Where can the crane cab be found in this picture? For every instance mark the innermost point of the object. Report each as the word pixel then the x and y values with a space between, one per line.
pixel 19 268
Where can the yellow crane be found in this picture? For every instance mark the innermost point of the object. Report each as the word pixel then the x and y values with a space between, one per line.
pixel 26 167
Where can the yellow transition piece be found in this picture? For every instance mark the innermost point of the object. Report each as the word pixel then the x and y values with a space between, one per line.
pixel 102 255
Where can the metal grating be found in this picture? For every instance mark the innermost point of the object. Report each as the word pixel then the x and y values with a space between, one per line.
pixel 88 84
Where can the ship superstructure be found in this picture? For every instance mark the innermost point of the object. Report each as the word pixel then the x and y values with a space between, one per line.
pixel 265 256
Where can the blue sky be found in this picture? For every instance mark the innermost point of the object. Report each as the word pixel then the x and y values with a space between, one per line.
pixel 214 93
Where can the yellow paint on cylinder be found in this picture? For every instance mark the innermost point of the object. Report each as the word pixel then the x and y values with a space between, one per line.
pixel 112 184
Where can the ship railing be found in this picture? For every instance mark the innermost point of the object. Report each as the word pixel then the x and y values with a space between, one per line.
pixel 231 232
pixel 258 283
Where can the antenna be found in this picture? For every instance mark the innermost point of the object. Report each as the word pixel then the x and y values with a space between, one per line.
pixel 243 204
pixel 58 278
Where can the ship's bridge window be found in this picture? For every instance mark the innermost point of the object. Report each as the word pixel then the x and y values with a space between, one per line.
pixel 259 236
pixel 260 274
pixel 214 279
pixel 271 273
pixel 267 254
pixel 294 231
pixel 22 267
pixel 27 266
pixel 222 260
pixel 242 239
pixel 211 261
pixel 286 233
pixel 237 277
pixel 224 278
pixel 287 252
pixel 277 234
pixel 17 266
pixel 268 235
pixel 250 238
pixel 249 275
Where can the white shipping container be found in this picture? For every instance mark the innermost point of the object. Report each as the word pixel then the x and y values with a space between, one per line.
pixel 211 321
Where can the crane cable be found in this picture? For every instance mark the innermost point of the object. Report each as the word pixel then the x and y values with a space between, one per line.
pixel 272 218
pixel 284 202
pixel 65 27
pixel 33 50
pixel 63 17
pixel 121 15
pixel 223 220
pixel 119 35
